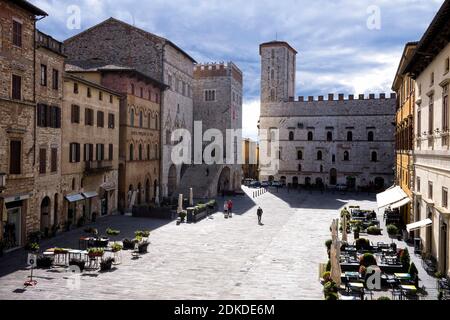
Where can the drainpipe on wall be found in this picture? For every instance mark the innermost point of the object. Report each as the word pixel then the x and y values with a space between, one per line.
pixel 161 143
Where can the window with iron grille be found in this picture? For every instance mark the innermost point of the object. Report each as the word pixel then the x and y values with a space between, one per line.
pixel 111 121
pixel 89 117
pixel 100 119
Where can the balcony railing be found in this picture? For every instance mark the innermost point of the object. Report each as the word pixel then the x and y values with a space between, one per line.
pixel 98 166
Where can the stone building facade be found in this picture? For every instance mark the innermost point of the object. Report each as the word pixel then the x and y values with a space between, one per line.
pixel 114 42
pixel 90 150
pixel 217 98
pixel 432 137
pixel 139 145
pixel 250 153
pixel 49 96
pixel 404 87
pixel 323 142
pixel 17 120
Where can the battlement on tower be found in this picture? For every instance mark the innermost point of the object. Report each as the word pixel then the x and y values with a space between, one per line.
pixel 342 97
pixel 218 69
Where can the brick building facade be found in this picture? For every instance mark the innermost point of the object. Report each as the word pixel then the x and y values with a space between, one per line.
pixel 17 120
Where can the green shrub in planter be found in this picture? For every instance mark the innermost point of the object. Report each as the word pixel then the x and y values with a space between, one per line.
pixel 182 215
pixel 116 247
pixel 32 247
pixel 128 244
pixel 392 230
pixel 112 232
pixel 332 296
pixel 142 234
pixel 368 260
pixel 362 244
pixel 329 288
pixel 326 276
pixel 373 230
pixel 384 298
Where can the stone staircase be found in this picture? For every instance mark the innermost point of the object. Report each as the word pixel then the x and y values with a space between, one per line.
pixel 202 178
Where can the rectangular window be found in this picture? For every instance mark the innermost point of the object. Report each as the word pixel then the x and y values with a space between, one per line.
pixel 17 33
pixel 89 94
pixel 210 95
pixel 447 65
pixel 54 160
pixel 111 99
pixel 142 92
pixel 74 153
pixel 43 75
pixel 16 87
pixel 88 152
pixel 75 114
pixel 445 113
pixel 111 152
pixel 100 96
pixel 418 185
pixel 430 190
pixel 111 121
pixel 419 123
pixel 55 117
pixel 88 117
pixel 55 79
pixel 42 115
pixel 431 115
pixel 100 152
pixel 444 197
pixel 15 157
pixel 100 119
pixel 75 88
pixel 42 161
pixel 432 79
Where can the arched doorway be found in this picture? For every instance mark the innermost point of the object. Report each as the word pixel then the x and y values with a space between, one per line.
pixel 319 182
pixel 172 180
pixel 308 181
pixel 223 184
pixel 283 180
pixel 271 179
pixel 139 193
pixel 333 177
pixel 295 182
pixel 55 210
pixel 45 215
pixel 147 191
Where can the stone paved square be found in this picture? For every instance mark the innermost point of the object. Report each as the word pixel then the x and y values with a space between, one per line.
pixel 216 258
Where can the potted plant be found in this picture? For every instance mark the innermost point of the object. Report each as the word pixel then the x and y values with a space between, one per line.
pixel 106 264
pixel 60 251
pixel 128 244
pixel 392 231
pixel 32 247
pixel 77 262
pixel 182 216
pixel 96 252
pixel 326 276
pixel 368 260
pixel 112 233
pixel 373 230
pixel 116 247
pixel 143 247
pixel 143 234
pixel 362 244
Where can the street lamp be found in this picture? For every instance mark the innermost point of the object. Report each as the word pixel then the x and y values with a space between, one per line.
pixel 2 181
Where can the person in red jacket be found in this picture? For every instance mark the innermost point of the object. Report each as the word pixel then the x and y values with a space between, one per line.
pixel 230 208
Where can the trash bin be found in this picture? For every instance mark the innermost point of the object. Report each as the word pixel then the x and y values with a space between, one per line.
pixel 417 245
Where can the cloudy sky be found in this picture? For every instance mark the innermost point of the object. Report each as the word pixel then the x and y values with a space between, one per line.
pixel 345 46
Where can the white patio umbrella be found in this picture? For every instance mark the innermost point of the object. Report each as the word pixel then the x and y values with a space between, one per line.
pixel 335 254
pixel 180 203
pixel 344 228
pixel 191 197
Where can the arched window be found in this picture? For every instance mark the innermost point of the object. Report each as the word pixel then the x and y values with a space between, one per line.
pixel 329 136
pixel 346 156
pixel 140 152
pixel 131 152
pixel 272 74
pixel 156 122
pixel 370 136
pixel 141 119
pixel 319 155
pixel 310 136
pixel 132 118
pixel 291 135
pixel 299 168
pixel 349 136
pixel 149 121
pixel 156 151
pixel 148 152
pixel 374 156
pixel 299 155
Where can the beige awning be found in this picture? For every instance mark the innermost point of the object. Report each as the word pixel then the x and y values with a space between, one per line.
pixel 401 203
pixel 418 225
pixel 391 196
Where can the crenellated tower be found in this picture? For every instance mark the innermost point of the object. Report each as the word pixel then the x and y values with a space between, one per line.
pixel 278 68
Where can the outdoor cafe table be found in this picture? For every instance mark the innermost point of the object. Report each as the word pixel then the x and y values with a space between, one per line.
pixel 408 289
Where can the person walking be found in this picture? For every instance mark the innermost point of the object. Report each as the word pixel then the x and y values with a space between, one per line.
pixel 259 212
pixel 225 209
pixel 230 208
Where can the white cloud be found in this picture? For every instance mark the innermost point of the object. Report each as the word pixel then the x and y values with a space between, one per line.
pixel 250 118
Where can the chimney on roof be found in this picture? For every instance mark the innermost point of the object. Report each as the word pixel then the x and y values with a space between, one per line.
pixel 382 96
pixel 330 97
pixel 301 98
pixel 361 97
pixel 291 99
pixel 311 98
pixel 351 97
pixel 371 96
pixel 320 98
pixel 393 96
pixel 341 96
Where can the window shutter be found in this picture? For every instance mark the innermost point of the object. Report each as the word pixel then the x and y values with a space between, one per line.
pixel 78 152
pixel 54 160
pixel 42 161
pixel 58 117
